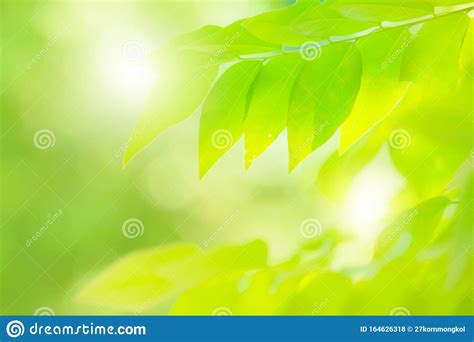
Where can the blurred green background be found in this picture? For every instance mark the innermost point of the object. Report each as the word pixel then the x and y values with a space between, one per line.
pixel 66 68
pixel 79 71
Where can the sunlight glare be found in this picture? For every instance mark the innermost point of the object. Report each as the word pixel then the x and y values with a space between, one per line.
pixel 133 76
pixel 126 71
pixel 369 197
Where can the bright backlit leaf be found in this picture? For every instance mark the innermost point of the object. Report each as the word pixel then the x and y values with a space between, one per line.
pixel 182 84
pixel 305 21
pixel 381 70
pixel 140 280
pixel 315 108
pixel 338 171
pixel 382 11
pixel 223 113
pixel 233 40
pixel 466 58
pixel 428 60
pixel 185 40
pixel 460 253
pixel 268 111
pixel 412 230
pixel 393 45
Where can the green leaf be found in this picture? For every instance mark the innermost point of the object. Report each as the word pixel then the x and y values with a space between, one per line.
pixel 223 113
pixel 250 255
pixel 411 231
pixel 268 111
pixel 382 12
pixel 141 279
pixel 460 253
pixel 465 59
pixel 269 290
pixel 320 293
pixel 259 292
pixel 397 40
pixel 215 296
pixel 232 41
pixel 426 147
pixel 448 2
pixel 301 114
pixel 184 40
pixel 336 97
pixel 305 21
pixel 272 27
pixel 428 60
pixel 319 253
pixel 338 171
pixel 219 295
pixel 381 69
pixel 316 110
pixel 183 83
